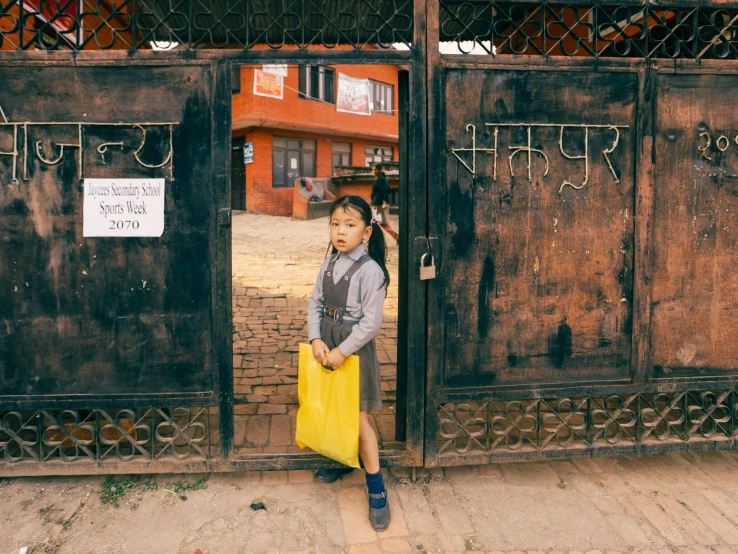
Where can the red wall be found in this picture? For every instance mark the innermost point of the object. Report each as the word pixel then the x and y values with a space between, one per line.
pixel 259 118
pixel 261 197
pixel 310 115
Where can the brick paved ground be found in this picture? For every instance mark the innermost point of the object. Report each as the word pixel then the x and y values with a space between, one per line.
pixel 275 263
pixel 675 504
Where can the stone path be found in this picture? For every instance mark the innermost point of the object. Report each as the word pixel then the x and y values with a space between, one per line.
pixel 275 263
pixel 668 504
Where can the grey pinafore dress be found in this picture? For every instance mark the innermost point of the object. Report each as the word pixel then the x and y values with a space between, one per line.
pixel 336 327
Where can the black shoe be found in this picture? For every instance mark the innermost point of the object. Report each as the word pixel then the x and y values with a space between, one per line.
pixel 379 517
pixel 331 474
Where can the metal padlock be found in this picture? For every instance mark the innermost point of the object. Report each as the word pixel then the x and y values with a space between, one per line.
pixel 427 271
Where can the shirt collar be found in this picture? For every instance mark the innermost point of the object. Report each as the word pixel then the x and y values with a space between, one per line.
pixel 356 253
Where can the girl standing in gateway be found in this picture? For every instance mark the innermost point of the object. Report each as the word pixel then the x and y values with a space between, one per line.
pixel 344 316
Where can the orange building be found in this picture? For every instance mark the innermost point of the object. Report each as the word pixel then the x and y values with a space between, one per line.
pixel 303 134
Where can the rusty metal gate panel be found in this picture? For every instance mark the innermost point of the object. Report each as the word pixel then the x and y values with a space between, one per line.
pixel 538 252
pixel 583 228
pixel 695 229
pixel 113 348
pixel 536 249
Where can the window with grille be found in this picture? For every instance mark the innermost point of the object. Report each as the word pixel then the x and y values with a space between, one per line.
pixel 318 83
pixel 291 159
pixel 378 154
pixel 341 154
pixel 382 97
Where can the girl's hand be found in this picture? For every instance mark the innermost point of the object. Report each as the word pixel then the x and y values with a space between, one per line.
pixel 334 358
pixel 320 350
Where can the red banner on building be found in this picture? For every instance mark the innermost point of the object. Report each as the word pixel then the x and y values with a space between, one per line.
pixel 267 84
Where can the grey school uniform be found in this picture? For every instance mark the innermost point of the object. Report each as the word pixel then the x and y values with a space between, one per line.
pixel 345 311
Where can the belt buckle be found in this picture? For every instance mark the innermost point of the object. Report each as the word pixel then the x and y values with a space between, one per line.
pixel 332 313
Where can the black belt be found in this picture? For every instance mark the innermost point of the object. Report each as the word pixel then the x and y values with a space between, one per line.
pixel 335 314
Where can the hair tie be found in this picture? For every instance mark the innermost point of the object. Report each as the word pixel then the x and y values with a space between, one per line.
pixel 374 216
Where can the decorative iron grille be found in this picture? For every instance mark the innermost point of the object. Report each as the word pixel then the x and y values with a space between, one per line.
pixel 602 30
pixel 189 24
pixel 485 428
pixel 97 435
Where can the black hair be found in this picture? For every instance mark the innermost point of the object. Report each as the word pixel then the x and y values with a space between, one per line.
pixel 380 167
pixel 376 248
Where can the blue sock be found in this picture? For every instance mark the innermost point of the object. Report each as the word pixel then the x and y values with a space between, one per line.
pixel 375 484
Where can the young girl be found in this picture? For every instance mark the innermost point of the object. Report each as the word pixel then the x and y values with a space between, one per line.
pixel 344 316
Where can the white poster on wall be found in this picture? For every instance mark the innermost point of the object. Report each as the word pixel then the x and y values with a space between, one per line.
pixel 275 69
pixel 266 84
pixel 248 152
pixel 353 95
pixel 123 208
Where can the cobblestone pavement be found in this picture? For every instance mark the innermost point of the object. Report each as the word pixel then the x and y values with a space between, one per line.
pixel 666 504
pixel 275 263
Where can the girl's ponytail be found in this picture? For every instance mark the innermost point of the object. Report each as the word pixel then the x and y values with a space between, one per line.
pixel 377 249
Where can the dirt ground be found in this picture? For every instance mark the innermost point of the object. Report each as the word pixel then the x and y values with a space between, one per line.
pixel 676 503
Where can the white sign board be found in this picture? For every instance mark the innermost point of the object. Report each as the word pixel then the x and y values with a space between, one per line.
pixel 123 208
pixel 266 84
pixel 248 152
pixel 353 95
pixel 275 69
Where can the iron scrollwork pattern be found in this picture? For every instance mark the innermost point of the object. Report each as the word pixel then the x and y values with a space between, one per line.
pixel 144 434
pixel 544 425
pixel 196 24
pixel 599 30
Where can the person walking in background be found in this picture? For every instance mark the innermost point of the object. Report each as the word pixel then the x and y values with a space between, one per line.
pixel 380 200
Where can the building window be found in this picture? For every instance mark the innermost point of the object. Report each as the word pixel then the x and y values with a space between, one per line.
pixel 236 79
pixel 318 82
pixel 383 96
pixel 378 154
pixel 291 158
pixel 341 154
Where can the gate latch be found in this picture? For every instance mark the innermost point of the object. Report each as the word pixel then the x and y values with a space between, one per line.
pixel 427 267
pixel 224 217
pixel 427 263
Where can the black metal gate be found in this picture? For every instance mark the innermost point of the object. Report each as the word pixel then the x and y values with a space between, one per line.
pixel 577 192
pixel 114 350
pixel 583 212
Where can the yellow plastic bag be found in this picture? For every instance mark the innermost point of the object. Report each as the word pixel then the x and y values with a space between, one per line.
pixel 328 418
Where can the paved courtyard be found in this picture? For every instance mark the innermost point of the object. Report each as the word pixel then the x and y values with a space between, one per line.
pixel 275 263
pixel 669 504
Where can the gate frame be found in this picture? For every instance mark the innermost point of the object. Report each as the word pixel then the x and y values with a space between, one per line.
pixel 412 313
pixel 424 218
pixel 644 162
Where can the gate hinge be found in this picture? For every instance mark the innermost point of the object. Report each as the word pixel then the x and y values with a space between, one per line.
pixel 224 217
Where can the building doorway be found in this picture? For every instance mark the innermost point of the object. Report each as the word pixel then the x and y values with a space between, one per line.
pixel 238 174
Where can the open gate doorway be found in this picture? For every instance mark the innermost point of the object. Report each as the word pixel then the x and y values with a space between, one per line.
pixel 306 144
